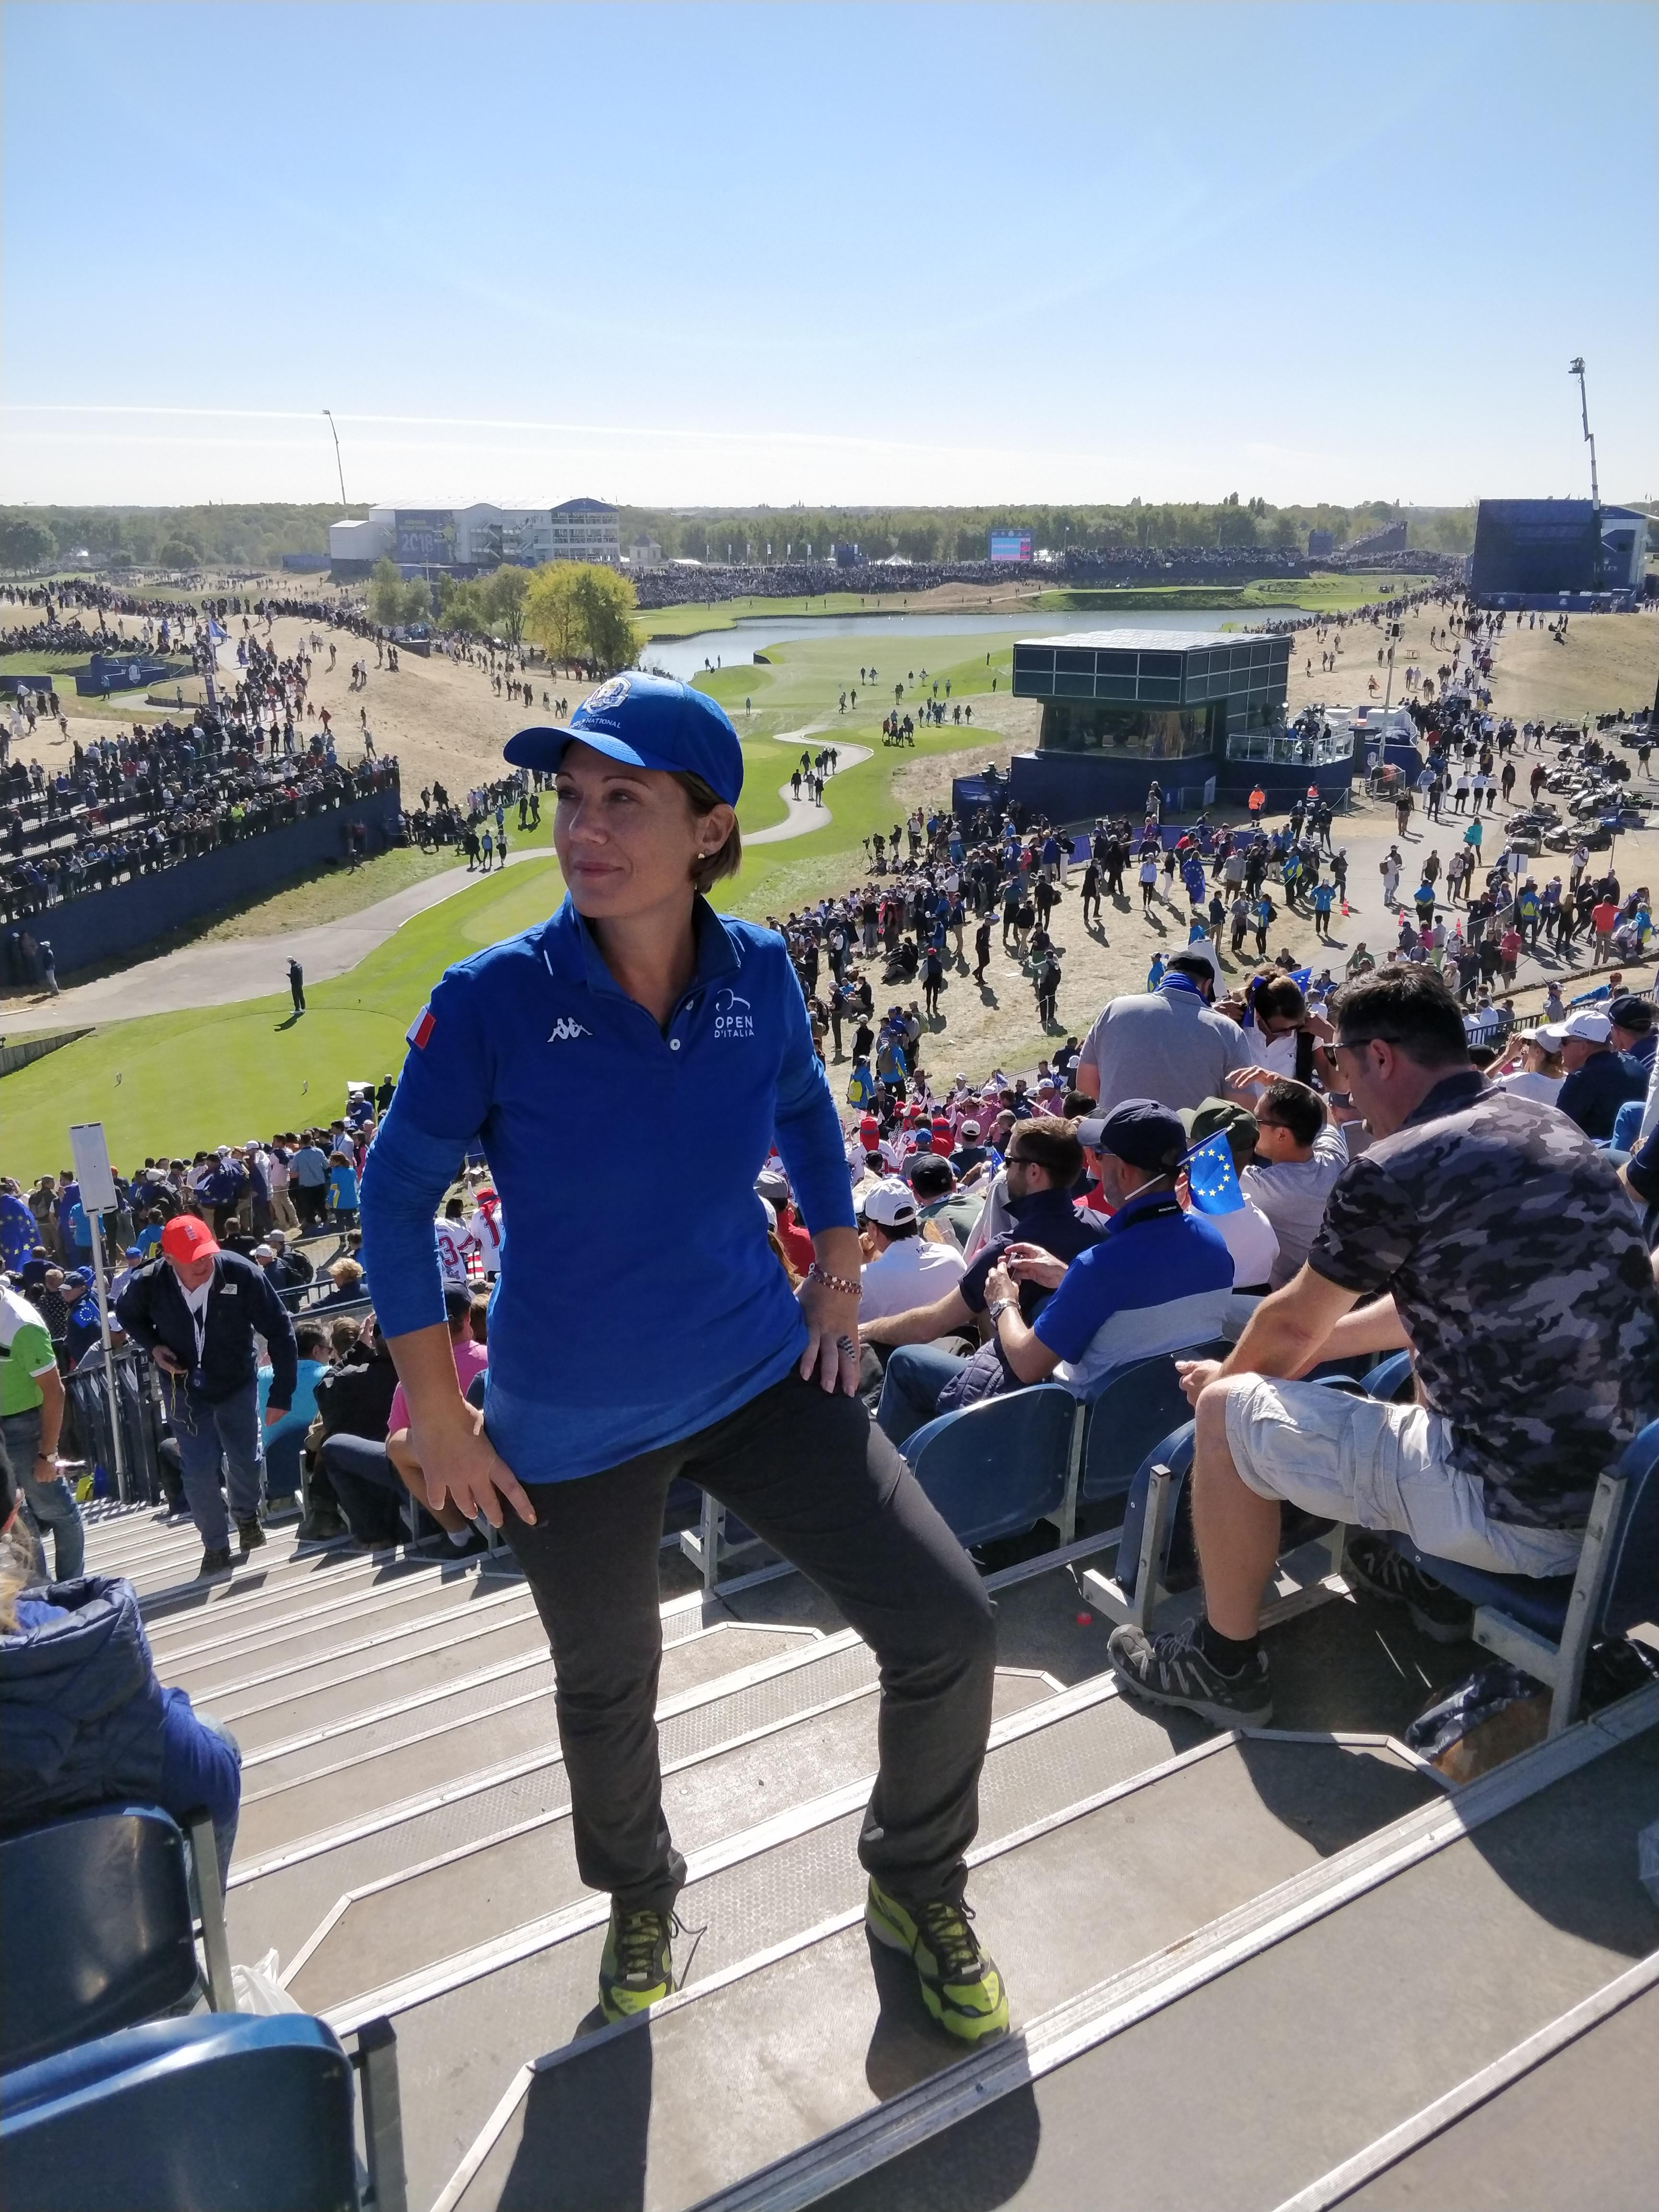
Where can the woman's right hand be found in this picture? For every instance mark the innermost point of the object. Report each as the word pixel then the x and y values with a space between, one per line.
pixel 462 1466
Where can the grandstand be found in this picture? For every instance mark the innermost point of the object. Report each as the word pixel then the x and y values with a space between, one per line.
pixel 1296 1965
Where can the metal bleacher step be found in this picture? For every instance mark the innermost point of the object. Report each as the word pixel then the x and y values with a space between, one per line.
pixel 312 1577
pixel 167 1583
pixel 364 1766
pixel 385 1932
pixel 283 1896
pixel 822 2026
pixel 1277 2059
pixel 371 1631
pixel 265 1704
pixel 1574 2130
pixel 467 2021
pixel 285 1627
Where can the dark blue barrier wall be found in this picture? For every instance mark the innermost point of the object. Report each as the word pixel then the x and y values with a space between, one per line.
pixel 1073 786
pixel 99 924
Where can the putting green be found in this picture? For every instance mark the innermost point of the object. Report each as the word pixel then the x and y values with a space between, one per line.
pixel 175 1082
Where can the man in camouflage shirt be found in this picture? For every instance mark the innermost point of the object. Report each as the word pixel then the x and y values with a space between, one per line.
pixel 1494 1241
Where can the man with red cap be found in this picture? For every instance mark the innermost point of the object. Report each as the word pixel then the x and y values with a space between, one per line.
pixel 199 1312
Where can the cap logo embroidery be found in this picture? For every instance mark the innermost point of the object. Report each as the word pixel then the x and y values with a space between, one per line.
pixel 608 695
pixel 565 1029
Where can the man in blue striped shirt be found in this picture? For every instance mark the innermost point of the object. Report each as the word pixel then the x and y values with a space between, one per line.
pixel 1158 1280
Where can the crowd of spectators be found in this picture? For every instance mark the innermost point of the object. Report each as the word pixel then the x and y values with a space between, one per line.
pixel 130 806
pixel 780 580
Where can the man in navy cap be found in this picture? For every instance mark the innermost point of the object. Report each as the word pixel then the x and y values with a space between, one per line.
pixel 1158 1280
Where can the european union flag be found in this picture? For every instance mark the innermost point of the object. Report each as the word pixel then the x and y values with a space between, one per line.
pixel 1302 977
pixel 18 1231
pixel 214 632
pixel 1210 1178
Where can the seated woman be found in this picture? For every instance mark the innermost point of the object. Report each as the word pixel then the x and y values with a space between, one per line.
pixel 369 1479
pixel 84 1720
pixel 347 1277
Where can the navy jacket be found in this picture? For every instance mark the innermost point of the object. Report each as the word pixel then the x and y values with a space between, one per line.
pixel 1592 1094
pixel 152 1310
pixel 81 1711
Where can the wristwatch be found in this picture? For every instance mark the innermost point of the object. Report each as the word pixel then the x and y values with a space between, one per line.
pixel 998 1307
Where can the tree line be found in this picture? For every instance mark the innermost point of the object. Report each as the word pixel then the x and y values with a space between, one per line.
pixel 257 535
pixel 576 611
pixel 766 534
pixel 253 536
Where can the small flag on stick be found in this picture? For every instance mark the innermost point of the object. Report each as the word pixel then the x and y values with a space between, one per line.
pixel 1210 1179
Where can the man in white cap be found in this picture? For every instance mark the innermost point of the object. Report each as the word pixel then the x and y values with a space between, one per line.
pixel 1599 1078
pixel 904 1268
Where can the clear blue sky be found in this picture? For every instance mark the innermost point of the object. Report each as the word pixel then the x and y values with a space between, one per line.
pixel 694 254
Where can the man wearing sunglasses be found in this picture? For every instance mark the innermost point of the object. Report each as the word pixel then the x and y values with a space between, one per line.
pixel 1489 1237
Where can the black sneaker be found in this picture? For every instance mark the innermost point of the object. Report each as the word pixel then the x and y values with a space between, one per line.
pixel 249 1536
pixel 636 1968
pixel 215 1560
pixel 1171 1670
pixel 1380 1572
pixel 320 1528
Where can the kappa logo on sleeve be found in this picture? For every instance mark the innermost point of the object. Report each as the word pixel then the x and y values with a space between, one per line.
pixel 420 1030
pixel 733 1015
pixel 565 1028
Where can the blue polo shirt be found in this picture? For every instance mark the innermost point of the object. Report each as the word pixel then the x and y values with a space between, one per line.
pixel 1158 1280
pixel 634 1307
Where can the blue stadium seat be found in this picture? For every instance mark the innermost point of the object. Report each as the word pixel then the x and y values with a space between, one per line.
pixel 96 1931
pixel 685 1504
pixel 1139 1586
pixel 1545 1624
pixel 1133 1410
pixel 1143 1549
pixel 995 1468
pixel 283 1460
pixel 1393 1378
pixel 223 2112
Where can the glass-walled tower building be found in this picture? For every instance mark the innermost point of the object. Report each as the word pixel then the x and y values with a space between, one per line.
pixel 1201 714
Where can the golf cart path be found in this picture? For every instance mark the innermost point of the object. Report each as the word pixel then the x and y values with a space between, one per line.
pixel 228 970
pixel 801 815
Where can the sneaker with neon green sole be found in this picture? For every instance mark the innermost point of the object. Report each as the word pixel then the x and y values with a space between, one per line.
pixel 960 1985
pixel 636 1967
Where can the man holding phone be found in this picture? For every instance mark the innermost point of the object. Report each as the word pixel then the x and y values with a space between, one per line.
pixel 197 1312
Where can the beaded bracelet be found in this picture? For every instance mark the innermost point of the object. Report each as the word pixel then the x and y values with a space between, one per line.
pixel 839 1284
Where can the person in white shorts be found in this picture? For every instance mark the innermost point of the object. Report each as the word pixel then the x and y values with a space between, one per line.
pixel 1492 1238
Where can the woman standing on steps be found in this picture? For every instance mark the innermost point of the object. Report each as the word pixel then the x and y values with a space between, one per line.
pixel 638 1332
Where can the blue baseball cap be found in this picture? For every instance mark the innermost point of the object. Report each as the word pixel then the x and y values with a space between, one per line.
pixel 644 721
pixel 1146 1134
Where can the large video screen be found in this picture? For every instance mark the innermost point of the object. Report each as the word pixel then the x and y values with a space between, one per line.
pixel 425 533
pixel 1011 544
pixel 1535 546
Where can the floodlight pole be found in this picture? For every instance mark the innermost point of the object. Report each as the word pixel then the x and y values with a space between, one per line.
pixel 337 463
pixel 1575 367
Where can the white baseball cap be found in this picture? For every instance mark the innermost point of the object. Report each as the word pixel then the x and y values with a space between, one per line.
pixel 1595 1028
pixel 889 1203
